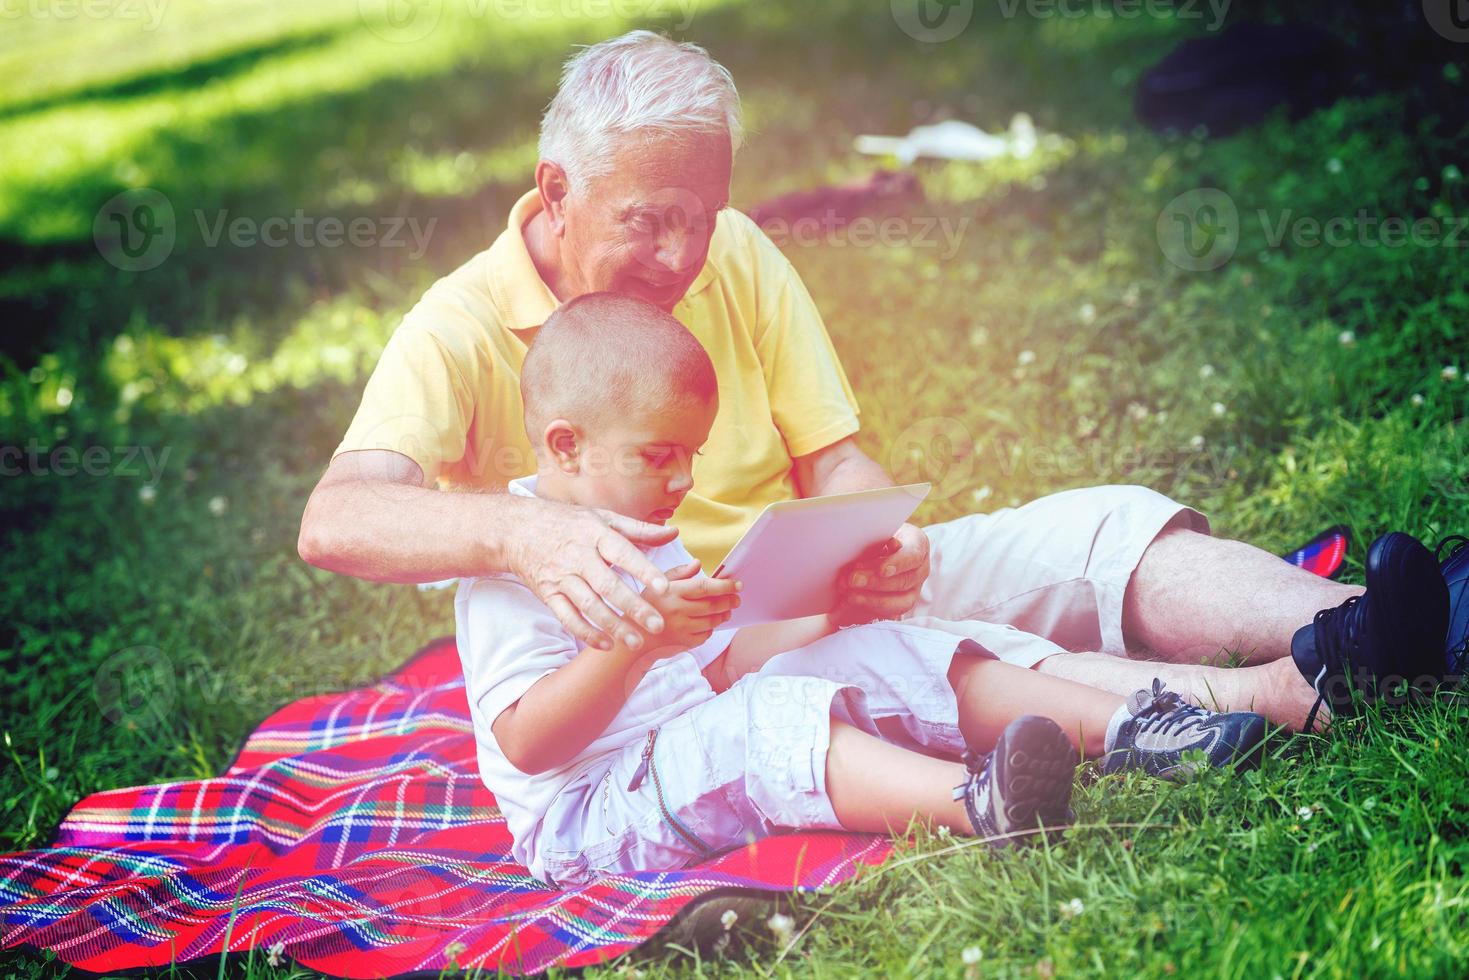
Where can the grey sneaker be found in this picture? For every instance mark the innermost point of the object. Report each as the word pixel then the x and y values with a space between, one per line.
pixel 1025 783
pixel 1165 731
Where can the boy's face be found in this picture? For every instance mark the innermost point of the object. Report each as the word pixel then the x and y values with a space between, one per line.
pixel 642 467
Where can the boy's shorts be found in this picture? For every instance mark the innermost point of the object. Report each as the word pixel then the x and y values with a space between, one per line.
pixel 752 760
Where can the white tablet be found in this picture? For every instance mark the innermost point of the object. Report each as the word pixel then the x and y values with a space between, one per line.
pixel 789 559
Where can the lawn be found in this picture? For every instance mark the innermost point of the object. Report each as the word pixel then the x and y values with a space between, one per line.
pixel 1054 339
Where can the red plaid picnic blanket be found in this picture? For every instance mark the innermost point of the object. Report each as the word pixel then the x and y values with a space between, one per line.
pixel 353 836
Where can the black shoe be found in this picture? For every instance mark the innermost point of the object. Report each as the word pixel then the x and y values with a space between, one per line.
pixel 1025 783
pixel 1165 732
pixel 1455 570
pixel 1392 632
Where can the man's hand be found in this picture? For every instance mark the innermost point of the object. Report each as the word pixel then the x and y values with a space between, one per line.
pixel 565 553
pixel 884 583
pixel 693 608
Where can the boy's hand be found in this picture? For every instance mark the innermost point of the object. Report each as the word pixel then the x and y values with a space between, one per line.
pixel 693 608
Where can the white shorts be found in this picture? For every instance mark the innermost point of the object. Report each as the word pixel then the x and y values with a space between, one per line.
pixel 752 760
pixel 1020 585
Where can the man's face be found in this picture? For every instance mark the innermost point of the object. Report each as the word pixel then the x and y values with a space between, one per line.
pixel 643 229
pixel 643 467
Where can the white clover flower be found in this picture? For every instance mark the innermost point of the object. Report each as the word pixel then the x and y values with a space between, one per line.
pixel 1072 909
pixel 971 955
pixel 1449 372
pixel 1311 847
pixel 218 505
pixel 1206 371
pixel 1087 313
pixel 1416 399
pixel 1218 409
pixel 275 954
pixel 1346 338
pixel 452 951
pixel 147 493
pixel 1197 442
pixel 1333 166
pixel 1026 357
pixel 1137 411
pixel 782 925
pixel 1305 812
pixel 728 919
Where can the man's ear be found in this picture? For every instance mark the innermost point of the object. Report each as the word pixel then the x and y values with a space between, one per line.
pixel 563 445
pixel 553 185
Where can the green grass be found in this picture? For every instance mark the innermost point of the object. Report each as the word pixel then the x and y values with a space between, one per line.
pixel 1231 390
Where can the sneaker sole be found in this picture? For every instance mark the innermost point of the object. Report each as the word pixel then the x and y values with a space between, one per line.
pixel 1399 564
pixel 1035 766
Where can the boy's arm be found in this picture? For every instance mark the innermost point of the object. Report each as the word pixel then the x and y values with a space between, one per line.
pixel 567 709
pixel 753 645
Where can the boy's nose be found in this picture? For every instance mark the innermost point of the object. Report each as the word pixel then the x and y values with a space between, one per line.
pixel 681 482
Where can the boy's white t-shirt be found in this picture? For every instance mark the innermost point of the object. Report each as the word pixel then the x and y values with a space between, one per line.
pixel 508 639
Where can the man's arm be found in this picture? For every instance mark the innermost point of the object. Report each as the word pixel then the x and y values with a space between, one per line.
pixel 884 584
pixel 371 516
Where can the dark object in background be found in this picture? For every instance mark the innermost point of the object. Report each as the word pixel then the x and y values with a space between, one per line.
pixel 1235 79
pixel 838 204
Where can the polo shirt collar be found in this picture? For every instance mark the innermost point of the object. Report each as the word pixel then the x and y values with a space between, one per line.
pixel 524 299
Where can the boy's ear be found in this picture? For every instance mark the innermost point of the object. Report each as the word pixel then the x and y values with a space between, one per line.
pixel 563 445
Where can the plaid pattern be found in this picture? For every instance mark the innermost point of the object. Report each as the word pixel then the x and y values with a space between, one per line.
pixel 354 831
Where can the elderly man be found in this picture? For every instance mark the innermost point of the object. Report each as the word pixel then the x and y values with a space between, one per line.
pixel 631 195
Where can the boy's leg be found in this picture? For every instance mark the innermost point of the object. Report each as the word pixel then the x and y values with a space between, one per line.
pixel 991 694
pixel 877 787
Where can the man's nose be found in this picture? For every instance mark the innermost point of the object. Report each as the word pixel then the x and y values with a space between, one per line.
pixel 679 248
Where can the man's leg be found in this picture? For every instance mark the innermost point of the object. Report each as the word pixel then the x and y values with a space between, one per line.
pixel 1193 595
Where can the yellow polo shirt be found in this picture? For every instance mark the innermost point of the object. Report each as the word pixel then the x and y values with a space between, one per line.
pixel 446 391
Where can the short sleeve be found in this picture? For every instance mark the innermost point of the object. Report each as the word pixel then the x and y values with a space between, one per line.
pixel 417 403
pixel 508 639
pixel 811 400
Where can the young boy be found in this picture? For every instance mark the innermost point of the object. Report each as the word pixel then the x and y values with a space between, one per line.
pixel 704 739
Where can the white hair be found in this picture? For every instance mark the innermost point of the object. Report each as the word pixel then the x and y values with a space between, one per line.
pixel 640 82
